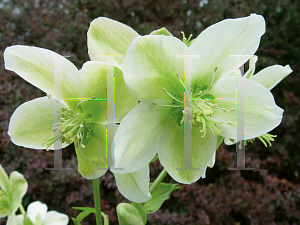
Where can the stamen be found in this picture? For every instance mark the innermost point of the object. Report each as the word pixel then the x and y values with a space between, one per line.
pixel 184 86
pixel 172 96
pixel 92 161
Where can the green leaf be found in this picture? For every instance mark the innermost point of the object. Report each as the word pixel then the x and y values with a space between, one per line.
pixel 160 194
pixel 75 221
pixel 140 208
pixel 129 215
pixel 85 212
pixel 154 159
pixel 161 31
pixel 27 221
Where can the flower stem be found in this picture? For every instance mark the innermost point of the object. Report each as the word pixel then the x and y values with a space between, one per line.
pixel 157 181
pixel 22 210
pixel 97 203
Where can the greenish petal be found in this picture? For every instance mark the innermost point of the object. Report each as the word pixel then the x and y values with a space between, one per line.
pixel 216 43
pixel 94 83
pixel 161 31
pixel 261 114
pixel 128 215
pixel 32 122
pixel 134 186
pixel 11 220
pixel 37 66
pixel 272 75
pixel 18 188
pixel 152 63
pixel 110 38
pixel 136 140
pixel 251 69
pixel 171 153
pixel 92 158
pixel 4 182
pixel 124 100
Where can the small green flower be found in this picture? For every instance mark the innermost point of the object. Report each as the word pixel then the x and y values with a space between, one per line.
pixel 38 215
pixel 154 74
pixel 12 190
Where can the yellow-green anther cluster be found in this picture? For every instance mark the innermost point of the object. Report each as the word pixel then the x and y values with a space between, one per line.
pixel 72 126
pixel 3 202
pixel 267 138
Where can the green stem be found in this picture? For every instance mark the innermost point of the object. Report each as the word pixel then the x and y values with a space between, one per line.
pixel 22 210
pixel 157 181
pixel 97 203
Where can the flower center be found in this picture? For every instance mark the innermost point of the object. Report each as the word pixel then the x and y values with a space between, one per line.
pixel 73 124
pixel 202 109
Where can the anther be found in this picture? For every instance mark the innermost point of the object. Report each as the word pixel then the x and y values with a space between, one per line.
pixel 81 125
pixel 77 114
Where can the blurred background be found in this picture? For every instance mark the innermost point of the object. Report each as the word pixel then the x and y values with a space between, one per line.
pixel 268 195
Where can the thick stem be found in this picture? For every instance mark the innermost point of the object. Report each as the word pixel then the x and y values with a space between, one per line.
pixel 97 203
pixel 157 181
pixel 22 210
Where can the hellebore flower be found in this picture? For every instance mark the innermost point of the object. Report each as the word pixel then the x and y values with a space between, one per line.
pixel 38 215
pixel 154 72
pixel 12 191
pixel 82 122
pixel 269 77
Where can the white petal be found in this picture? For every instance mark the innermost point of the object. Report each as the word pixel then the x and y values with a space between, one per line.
pixel 36 65
pixel 152 63
pixel 36 208
pixel 137 138
pixel 229 37
pixel 4 182
pixel 19 219
pixel 134 186
pixel 272 75
pixel 55 218
pixel 171 153
pixel 109 37
pixel 31 122
pixel 260 110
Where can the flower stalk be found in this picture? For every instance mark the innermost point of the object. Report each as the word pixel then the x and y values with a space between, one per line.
pixel 96 191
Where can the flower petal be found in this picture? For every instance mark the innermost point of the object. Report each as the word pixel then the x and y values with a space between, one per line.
pixel 17 190
pixel 272 75
pixel 92 158
pixel 134 186
pixel 108 37
pixel 4 182
pixel 251 69
pixel 171 153
pixel 94 82
pixel 55 218
pixel 19 219
pixel 36 208
pixel 260 110
pixel 11 220
pixel 36 65
pixel 31 122
pixel 229 37
pixel 136 140
pixel 152 63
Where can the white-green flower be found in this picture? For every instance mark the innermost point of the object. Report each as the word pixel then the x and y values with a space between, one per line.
pixel 269 77
pixel 154 74
pixel 38 215
pixel 83 121
pixel 12 190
